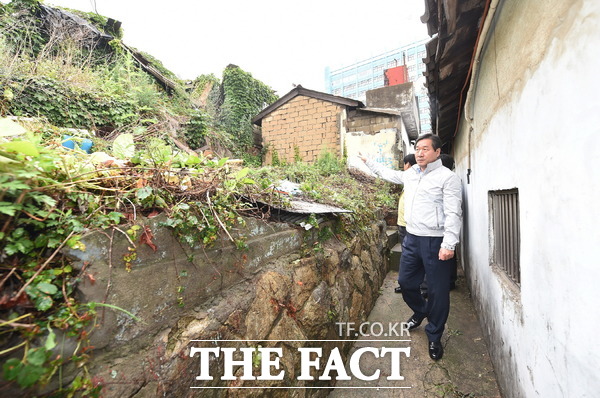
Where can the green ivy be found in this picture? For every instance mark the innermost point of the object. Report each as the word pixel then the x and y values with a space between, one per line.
pixel 197 129
pixel 244 97
pixel 65 106
pixel 21 27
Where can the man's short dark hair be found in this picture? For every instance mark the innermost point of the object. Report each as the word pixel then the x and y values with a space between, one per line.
pixel 447 161
pixel 410 158
pixel 436 142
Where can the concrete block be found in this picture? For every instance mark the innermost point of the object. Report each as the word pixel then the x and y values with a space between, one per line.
pixel 395 253
pixel 392 237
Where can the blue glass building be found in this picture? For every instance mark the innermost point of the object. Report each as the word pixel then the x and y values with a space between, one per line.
pixel 354 80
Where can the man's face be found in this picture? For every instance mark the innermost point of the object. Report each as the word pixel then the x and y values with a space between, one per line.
pixel 424 152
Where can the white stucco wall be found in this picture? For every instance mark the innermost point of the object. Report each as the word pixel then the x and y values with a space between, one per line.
pixel 536 127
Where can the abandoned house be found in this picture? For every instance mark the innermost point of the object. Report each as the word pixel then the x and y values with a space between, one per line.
pixel 303 124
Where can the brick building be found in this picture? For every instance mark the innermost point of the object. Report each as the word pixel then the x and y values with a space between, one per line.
pixel 304 123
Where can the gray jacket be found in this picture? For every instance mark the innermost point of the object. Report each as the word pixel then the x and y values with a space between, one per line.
pixel 432 206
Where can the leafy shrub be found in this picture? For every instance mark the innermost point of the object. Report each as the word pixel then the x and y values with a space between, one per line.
pixel 327 163
pixel 197 129
pixel 50 196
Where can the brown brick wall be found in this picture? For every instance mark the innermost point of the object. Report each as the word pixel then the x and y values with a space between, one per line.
pixel 371 123
pixel 308 124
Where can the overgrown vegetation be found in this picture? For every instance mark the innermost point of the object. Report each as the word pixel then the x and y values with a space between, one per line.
pixel 50 197
pixel 244 97
pixel 73 78
pixel 328 181
pixel 143 164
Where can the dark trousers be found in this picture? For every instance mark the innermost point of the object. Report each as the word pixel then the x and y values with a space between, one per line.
pixel 401 235
pixel 420 259
pixel 453 276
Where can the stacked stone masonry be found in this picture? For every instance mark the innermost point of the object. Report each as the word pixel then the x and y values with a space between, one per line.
pixel 277 289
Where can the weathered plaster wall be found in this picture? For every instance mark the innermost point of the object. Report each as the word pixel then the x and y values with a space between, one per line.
pixel 401 97
pixel 382 146
pixel 280 289
pixel 535 127
pixel 375 135
pixel 382 138
pixel 306 126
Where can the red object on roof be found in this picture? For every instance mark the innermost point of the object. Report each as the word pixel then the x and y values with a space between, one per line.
pixel 397 75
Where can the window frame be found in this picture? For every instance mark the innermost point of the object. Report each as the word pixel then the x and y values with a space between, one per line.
pixel 505 232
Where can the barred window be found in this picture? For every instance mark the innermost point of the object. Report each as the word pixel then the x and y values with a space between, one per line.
pixel 506 235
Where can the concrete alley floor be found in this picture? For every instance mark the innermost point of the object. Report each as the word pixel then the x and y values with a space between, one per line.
pixel 464 371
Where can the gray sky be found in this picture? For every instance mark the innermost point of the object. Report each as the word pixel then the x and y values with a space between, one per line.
pixel 279 42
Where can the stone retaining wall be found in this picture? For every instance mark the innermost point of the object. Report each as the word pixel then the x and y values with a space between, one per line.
pixel 284 287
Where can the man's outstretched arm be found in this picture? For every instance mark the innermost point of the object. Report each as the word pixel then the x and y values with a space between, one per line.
pixel 385 173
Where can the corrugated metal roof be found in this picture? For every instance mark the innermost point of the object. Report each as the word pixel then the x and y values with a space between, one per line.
pixel 303 207
pixel 298 211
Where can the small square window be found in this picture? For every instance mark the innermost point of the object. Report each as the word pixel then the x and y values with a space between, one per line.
pixel 506 232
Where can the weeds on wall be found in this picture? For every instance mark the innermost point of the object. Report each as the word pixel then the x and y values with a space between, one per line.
pixel 50 197
pixel 328 181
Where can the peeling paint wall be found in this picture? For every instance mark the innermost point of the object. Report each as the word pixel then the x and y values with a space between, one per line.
pixel 535 127
pixel 382 146
pixel 375 135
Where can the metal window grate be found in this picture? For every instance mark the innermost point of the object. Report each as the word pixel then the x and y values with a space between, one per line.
pixel 506 235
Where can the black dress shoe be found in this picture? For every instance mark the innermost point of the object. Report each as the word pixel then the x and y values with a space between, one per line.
pixel 414 322
pixel 398 289
pixel 436 351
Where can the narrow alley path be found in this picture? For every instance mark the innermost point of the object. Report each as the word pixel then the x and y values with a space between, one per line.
pixel 464 371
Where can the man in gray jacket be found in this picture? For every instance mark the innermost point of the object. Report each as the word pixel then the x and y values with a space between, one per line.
pixel 433 221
